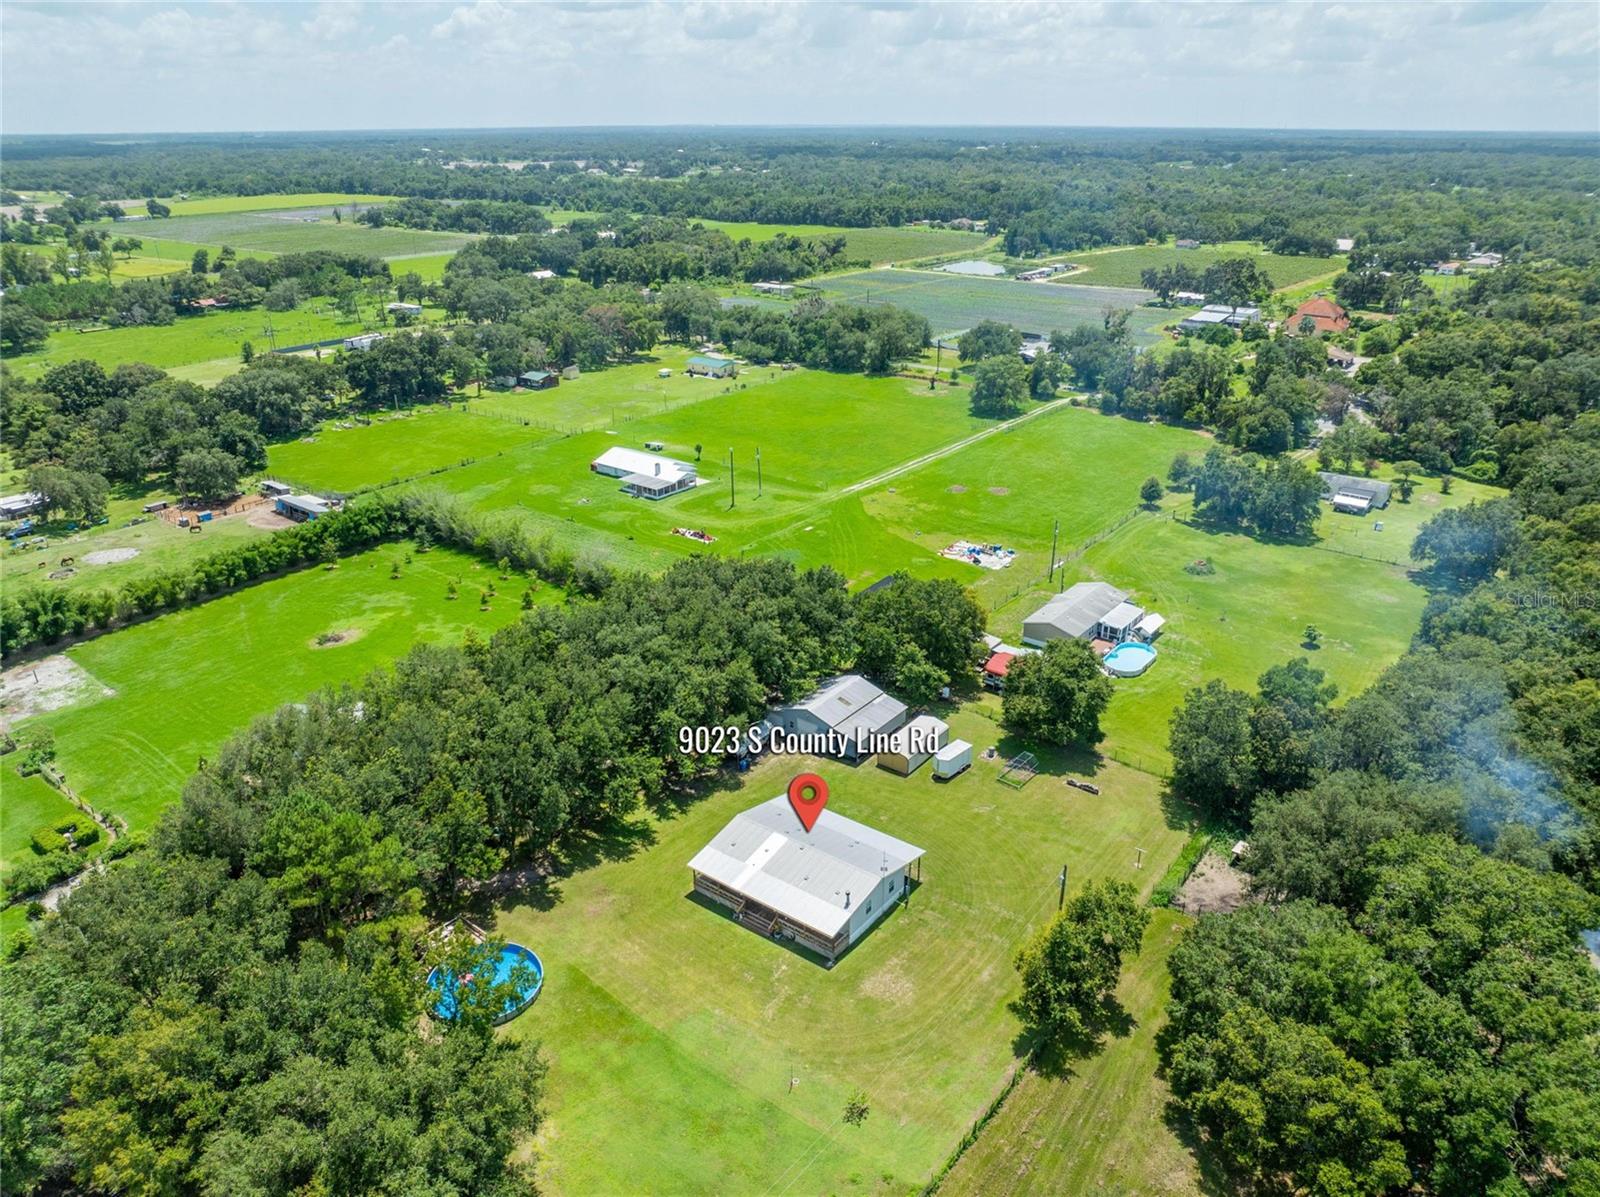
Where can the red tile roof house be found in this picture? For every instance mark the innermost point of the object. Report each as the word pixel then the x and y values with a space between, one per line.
pixel 1324 313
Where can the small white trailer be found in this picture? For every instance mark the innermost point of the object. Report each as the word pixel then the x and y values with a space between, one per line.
pixel 953 759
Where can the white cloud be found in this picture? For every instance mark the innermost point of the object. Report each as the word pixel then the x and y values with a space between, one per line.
pixel 499 62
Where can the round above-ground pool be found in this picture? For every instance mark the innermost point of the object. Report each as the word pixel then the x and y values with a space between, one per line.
pixel 1129 659
pixel 513 963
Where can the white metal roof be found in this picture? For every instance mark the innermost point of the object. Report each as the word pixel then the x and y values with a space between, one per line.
pixel 1122 615
pixel 1152 623
pixel 635 461
pixel 765 854
pixel 952 750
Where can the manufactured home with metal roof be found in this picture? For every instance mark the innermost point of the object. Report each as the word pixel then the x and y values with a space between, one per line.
pixel 823 888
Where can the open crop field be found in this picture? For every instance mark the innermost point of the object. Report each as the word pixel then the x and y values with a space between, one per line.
pixel 666 1022
pixel 953 303
pixel 190 340
pixel 183 683
pixel 392 448
pixel 897 244
pixel 1099 1127
pixel 303 229
pixel 1122 267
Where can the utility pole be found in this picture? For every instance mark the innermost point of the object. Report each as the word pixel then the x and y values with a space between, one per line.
pixel 1055 533
pixel 732 500
pixel 1062 900
pixel 758 471
pixel 938 360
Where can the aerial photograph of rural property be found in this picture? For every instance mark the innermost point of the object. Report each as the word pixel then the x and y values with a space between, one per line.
pixel 799 599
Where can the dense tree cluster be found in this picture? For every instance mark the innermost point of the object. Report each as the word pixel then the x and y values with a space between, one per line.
pixel 917 636
pixel 1276 497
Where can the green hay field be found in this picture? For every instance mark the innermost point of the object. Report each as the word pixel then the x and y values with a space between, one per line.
pixel 1122 267
pixel 185 682
pixel 952 303
pixel 301 230
pixel 616 396
pixel 192 340
pixel 393 448
pixel 666 1022
pixel 898 244
pixel 227 204
pixel 817 433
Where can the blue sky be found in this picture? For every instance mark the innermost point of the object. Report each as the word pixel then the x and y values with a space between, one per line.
pixel 146 67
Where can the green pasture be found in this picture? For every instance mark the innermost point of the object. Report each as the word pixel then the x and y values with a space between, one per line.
pixel 26 805
pixel 302 230
pixel 228 204
pixel 393 447
pixel 192 340
pixel 1098 1125
pixel 952 302
pixel 184 682
pixel 616 396
pixel 1123 266
pixel 817 433
pixel 890 244
pixel 429 266
pixel 664 1021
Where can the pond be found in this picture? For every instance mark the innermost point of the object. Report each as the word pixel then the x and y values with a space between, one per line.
pixel 973 266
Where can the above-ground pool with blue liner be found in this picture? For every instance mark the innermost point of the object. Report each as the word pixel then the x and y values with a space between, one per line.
pixel 443 982
pixel 1129 659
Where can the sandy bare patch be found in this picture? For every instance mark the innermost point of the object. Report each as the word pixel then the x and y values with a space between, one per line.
pixel 109 556
pixel 268 519
pixel 47 685
pixel 889 984
pixel 956 488
pixel 999 490
pixel 336 637
pixel 1215 887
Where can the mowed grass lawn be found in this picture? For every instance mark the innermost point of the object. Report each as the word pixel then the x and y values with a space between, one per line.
pixel 184 682
pixel 1122 267
pixel 665 1022
pixel 1098 1125
pixel 890 244
pixel 393 447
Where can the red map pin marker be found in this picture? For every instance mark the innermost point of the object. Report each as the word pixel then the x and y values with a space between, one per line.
pixel 808 794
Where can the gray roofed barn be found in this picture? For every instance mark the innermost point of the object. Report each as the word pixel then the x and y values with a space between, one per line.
pixel 824 887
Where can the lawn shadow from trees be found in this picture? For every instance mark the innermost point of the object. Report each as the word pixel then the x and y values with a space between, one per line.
pixel 1054 1057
